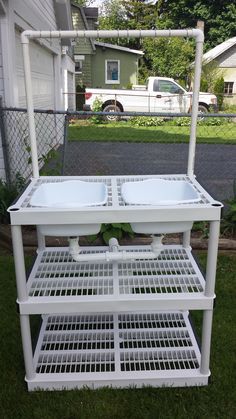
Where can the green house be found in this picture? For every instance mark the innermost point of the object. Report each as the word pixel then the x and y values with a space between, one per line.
pixel 99 64
pixel 114 66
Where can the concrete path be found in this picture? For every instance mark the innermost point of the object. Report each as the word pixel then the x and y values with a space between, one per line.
pixel 215 166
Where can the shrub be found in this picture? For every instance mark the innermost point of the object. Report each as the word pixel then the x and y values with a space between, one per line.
pixel 228 224
pixel 97 107
pixel 218 90
pixel 212 121
pixel 181 121
pixel 8 193
pixel 147 121
pixel 116 230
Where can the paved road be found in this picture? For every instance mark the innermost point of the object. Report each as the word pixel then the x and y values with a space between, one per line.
pixel 215 166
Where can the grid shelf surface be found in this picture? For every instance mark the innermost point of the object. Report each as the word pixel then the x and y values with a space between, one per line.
pixel 57 280
pixel 118 349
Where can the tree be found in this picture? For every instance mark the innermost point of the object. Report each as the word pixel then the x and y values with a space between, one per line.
pixel 169 57
pixel 140 14
pixel 210 73
pixel 83 3
pixel 219 17
pixel 128 14
pixel 113 15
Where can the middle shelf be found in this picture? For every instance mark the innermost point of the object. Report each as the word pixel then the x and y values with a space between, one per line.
pixel 58 284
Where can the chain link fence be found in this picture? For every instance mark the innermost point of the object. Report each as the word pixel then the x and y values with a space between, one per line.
pixel 79 143
pixel 50 132
pixel 150 144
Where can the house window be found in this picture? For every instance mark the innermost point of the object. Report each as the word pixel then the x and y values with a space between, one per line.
pixel 112 75
pixel 228 87
pixel 79 59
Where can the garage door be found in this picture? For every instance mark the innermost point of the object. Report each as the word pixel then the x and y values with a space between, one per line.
pixel 42 70
pixel 71 90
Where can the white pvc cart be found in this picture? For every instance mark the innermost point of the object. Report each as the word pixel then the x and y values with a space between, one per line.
pixel 115 322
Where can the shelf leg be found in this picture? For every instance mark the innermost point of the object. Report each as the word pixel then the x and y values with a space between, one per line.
pixel 41 240
pixel 212 258
pixel 19 261
pixel 206 341
pixel 27 347
pixel 186 238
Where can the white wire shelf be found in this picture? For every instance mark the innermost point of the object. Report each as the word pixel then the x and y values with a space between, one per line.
pixel 115 210
pixel 57 284
pixel 121 349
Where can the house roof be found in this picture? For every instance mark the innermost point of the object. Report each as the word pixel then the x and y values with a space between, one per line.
pixel 125 49
pixel 219 49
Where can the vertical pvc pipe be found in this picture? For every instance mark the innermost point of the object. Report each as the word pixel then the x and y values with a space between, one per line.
pixel 196 88
pixel 40 239
pixel 27 347
pixel 30 109
pixel 212 258
pixel 206 341
pixel 186 239
pixel 18 252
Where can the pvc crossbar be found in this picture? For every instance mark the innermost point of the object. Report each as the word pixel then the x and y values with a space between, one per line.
pixel 165 33
pixel 197 34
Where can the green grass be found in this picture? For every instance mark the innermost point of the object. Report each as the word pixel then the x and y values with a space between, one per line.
pixel 123 131
pixel 214 401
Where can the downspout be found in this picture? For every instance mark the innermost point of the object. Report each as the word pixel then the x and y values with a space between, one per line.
pixel 30 106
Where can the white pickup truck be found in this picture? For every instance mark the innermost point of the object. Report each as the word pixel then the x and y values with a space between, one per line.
pixel 160 94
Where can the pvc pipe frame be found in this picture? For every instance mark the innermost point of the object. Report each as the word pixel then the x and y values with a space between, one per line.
pixel 197 34
pixel 114 254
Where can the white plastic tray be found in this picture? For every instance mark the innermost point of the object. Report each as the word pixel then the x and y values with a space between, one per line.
pixel 158 192
pixel 70 194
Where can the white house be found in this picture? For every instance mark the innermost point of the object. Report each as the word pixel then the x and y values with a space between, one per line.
pixel 225 55
pixel 51 66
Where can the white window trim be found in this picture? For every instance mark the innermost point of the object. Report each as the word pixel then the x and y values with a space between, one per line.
pixel 112 81
pixel 229 81
pixel 81 59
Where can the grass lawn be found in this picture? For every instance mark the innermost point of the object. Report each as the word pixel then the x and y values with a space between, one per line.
pixel 124 131
pixel 214 401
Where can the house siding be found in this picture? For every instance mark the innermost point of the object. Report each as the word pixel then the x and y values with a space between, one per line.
pixel 128 67
pixel 1 71
pixel 82 47
pixel 2 166
pixel 85 78
pixel 42 72
pixel 39 14
pixel 46 79
pixel 227 62
pixel 228 58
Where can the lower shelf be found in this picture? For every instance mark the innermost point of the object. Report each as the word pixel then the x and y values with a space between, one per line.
pixel 117 350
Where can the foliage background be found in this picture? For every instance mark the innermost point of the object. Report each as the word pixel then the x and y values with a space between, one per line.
pixel 173 57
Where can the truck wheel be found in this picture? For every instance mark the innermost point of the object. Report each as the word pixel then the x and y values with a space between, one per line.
pixel 111 109
pixel 201 110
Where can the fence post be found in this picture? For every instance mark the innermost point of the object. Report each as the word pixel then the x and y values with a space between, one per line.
pixel 4 144
pixel 66 123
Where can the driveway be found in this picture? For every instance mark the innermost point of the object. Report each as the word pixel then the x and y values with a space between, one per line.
pixel 215 166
